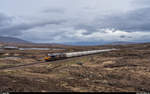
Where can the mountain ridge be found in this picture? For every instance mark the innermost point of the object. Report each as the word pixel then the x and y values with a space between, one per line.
pixel 12 40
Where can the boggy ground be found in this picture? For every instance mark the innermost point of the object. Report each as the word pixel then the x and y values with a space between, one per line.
pixel 127 69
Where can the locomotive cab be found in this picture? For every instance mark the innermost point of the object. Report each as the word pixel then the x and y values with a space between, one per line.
pixel 54 56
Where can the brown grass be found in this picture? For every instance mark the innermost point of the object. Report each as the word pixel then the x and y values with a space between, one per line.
pixel 125 70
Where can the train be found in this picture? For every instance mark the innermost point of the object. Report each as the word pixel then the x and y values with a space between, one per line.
pixel 58 56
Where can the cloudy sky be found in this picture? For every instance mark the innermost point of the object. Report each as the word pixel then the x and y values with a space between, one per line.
pixel 72 21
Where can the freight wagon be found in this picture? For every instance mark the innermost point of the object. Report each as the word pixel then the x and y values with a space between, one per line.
pixel 57 56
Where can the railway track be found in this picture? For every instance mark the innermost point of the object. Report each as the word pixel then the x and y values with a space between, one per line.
pixel 28 65
pixel 41 62
pixel 35 63
pixel 20 66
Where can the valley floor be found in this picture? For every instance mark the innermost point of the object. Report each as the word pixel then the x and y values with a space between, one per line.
pixel 124 70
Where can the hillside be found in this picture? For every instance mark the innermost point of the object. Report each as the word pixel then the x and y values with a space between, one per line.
pixel 123 42
pixel 124 70
pixel 12 40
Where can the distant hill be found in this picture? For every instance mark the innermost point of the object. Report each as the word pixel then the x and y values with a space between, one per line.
pixel 21 42
pixel 12 40
pixel 85 43
pixel 100 43
pixel 122 42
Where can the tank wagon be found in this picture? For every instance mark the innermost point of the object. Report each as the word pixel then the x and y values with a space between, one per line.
pixel 57 56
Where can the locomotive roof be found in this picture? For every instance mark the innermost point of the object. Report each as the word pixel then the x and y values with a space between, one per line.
pixel 55 54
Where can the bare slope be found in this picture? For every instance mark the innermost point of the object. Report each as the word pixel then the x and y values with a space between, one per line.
pixel 12 40
pixel 127 69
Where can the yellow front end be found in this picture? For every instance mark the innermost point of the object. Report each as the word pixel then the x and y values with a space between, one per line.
pixel 47 58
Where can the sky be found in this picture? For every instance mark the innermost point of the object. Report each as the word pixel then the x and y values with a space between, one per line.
pixel 76 21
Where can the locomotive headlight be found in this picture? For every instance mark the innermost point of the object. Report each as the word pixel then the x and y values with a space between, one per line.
pixel 47 58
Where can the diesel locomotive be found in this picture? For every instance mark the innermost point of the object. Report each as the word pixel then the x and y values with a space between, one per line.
pixel 57 56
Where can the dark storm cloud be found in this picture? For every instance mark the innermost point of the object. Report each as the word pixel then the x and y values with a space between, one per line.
pixel 132 21
pixel 89 27
pixel 64 20
pixel 4 19
pixel 141 2
pixel 13 30
pixel 137 20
